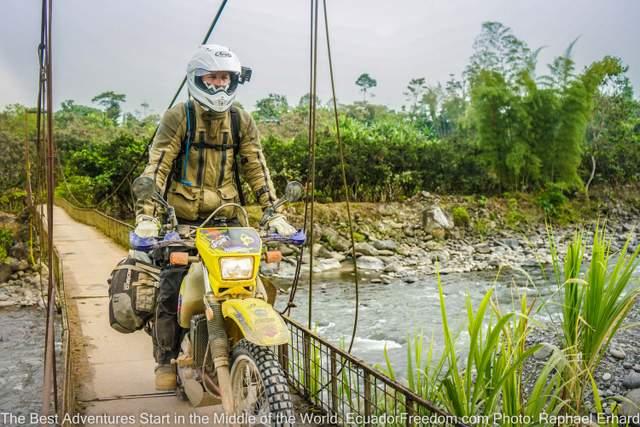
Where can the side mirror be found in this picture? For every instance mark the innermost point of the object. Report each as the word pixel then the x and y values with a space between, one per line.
pixel 294 191
pixel 143 187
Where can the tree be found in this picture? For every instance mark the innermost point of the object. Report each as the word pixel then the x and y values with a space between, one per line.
pixel 497 49
pixel 414 93
pixel 613 134
pixel 366 82
pixel 271 108
pixel 111 101
pixel 304 101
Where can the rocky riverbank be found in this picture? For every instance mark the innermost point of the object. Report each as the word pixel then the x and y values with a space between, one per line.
pixel 20 281
pixel 408 240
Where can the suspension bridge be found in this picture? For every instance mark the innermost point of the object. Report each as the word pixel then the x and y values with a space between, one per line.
pixel 102 377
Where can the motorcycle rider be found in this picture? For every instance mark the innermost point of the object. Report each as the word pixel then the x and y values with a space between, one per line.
pixel 197 175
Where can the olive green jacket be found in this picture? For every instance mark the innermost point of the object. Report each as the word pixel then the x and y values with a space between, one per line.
pixel 208 180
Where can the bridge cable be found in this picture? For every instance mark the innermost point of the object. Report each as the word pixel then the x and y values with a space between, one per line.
pixel 50 378
pixel 310 164
pixel 40 160
pixel 311 182
pixel 344 178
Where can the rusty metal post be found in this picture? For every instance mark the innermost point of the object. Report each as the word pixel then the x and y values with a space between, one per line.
pixel 334 382
pixel 367 398
pixel 306 354
pixel 410 410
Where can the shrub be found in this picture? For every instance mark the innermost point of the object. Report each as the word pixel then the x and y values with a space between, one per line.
pixel 552 200
pixel 12 200
pixel 6 239
pixel 514 217
pixel 461 216
pixel 3 254
pixel 481 226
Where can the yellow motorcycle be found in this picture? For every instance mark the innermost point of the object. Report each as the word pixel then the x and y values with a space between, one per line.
pixel 226 313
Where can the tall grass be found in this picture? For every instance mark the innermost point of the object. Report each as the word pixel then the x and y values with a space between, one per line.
pixel 594 307
pixel 490 380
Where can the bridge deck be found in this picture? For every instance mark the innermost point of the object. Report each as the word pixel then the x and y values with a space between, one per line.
pixel 114 371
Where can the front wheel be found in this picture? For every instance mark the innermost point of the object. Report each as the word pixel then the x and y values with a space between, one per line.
pixel 259 387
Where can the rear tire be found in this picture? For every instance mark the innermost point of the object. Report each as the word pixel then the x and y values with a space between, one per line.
pixel 260 389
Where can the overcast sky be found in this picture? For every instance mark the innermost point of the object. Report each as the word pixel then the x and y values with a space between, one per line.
pixel 141 47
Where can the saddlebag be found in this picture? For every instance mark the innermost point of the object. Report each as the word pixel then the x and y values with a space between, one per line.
pixel 133 287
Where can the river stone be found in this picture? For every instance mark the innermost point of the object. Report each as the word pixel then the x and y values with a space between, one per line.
pixel 409 232
pixel 432 245
pixel 631 405
pixel 632 380
pixel 385 245
pixel 321 252
pixel 440 256
pixel 367 262
pixel 11 261
pixel 5 272
pixel 544 353
pixel 23 265
pixel 18 251
pixel 366 249
pixel 438 233
pixel 514 244
pixel 435 218
pixel 335 241
pixel 617 353
pixel 606 376
pixel 393 267
pixel 326 265
pixel 286 250
pixel 482 248
pixel 385 252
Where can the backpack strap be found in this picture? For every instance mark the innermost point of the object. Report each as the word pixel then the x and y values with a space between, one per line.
pixel 182 161
pixel 235 135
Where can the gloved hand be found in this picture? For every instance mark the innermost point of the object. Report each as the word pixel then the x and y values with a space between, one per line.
pixel 280 225
pixel 147 226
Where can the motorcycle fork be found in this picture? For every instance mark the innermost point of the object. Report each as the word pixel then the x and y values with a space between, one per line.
pixel 219 346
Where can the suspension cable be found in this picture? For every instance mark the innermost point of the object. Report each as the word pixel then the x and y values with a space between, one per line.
pixel 312 144
pixel 310 187
pixel 344 177
pixel 50 380
pixel 311 181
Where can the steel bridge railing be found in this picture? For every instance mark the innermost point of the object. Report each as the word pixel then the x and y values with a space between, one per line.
pixel 67 386
pixel 116 230
pixel 344 388
pixel 349 391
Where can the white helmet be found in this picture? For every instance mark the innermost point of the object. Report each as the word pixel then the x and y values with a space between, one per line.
pixel 210 58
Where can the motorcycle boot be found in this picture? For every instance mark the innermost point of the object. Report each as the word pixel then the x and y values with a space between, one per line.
pixel 165 377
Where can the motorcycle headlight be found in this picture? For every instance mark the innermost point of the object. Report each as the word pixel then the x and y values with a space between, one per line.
pixel 236 268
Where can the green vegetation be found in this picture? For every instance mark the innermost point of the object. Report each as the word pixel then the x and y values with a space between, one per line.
pixel 6 241
pixel 460 216
pixel 595 305
pixel 487 375
pixel 500 127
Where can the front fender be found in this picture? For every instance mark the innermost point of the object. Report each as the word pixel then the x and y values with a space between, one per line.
pixel 257 320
